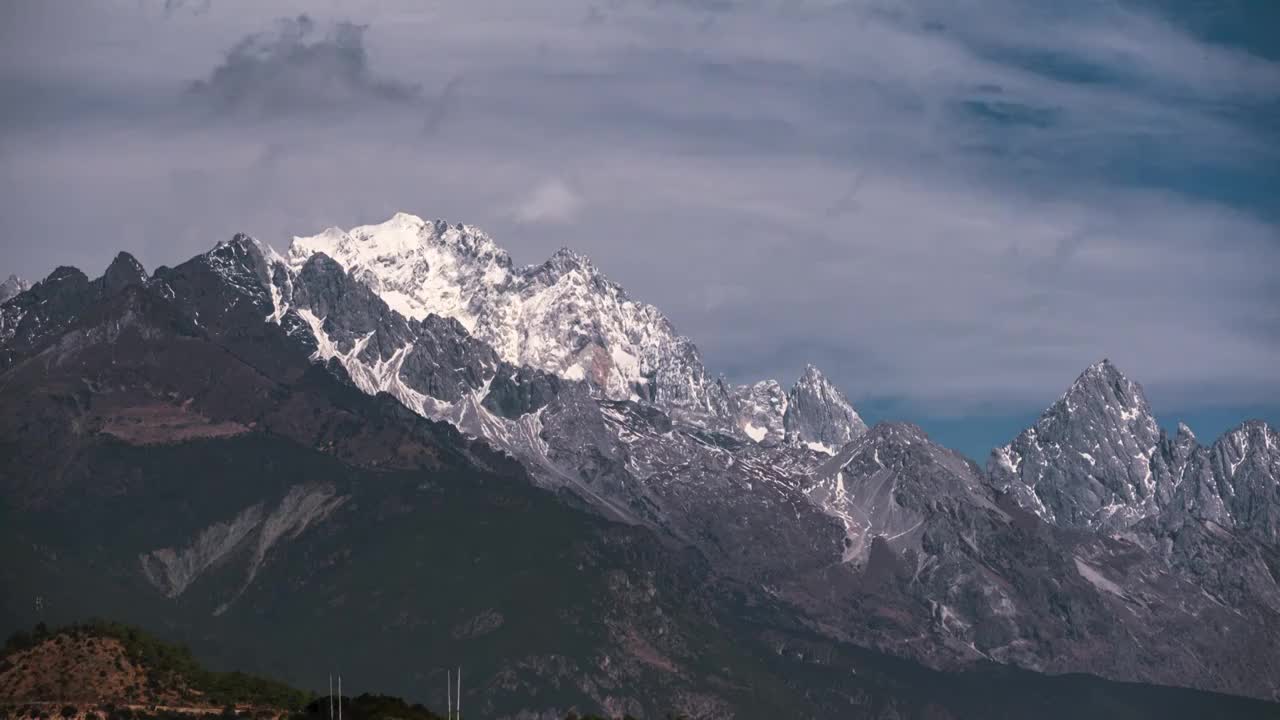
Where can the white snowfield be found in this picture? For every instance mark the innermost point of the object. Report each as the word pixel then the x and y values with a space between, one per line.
pixel 562 316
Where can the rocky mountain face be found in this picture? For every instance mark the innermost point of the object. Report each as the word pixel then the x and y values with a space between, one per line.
pixel 981 577
pixel 1092 543
pixel 33 316
pixel 1092 459
pixel 759 409
pixel 819 415
pixel 1097 460
pixel 12 286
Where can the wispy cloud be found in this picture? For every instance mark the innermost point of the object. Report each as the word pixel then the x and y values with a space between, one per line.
pixel 441 105
pixel 551 201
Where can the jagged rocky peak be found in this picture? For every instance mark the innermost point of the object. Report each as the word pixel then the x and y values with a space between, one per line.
pixel 62 289
pixel 11 287
pixel 242 249
pixel 52 304
pixel 1244 465
pixel 44 311
pixel 1092 459
pixel 1233 483
pixel 346 318
pixel 1096 459
pixel 1249 437
pixel 758 410
pixel 418 267
pixel 1104 382
pixel 1181 447
pixel 418 362
pixel 562 262
pixel 241 261
pixel 1185 435
pixel 44 307
pixel 124 270
pixel 819 415
pixel 562 316
pixel 62 276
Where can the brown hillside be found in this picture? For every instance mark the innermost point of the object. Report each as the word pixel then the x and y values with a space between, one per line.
pixel 84 669
pixel 100 665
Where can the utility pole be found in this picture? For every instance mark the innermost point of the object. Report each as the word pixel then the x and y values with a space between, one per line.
pixel 339 696
pixel 448 694
pixel 459 693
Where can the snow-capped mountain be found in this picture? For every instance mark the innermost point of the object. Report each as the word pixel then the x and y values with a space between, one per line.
pixel 752 469
pixel 12 286
pixel 1091 530
pixel 565 318
pixel 562 316
pixel 1097 459
pixel 416 308
pixel 631 459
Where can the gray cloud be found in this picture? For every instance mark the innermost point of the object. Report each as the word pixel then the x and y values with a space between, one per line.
pixel 293 68
pixel 848 201
pixel 550 201
pixel 441 105
pixel 193 6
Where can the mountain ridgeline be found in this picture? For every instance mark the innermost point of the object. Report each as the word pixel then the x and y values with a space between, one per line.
pixel 391 449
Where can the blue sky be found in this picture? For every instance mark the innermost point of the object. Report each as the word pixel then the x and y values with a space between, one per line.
pixel 950 207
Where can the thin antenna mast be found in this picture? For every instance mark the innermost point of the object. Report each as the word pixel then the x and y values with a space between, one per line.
pixel 459 692
pixel 448 694
pixel 330 696
pixel 339 696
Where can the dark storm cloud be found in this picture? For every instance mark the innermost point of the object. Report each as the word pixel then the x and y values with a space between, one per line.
pixel 296 68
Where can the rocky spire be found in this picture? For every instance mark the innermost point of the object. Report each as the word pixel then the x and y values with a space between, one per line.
pixel 123 271
pixel 11 287
pixel 1091 459
pixel 819 415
